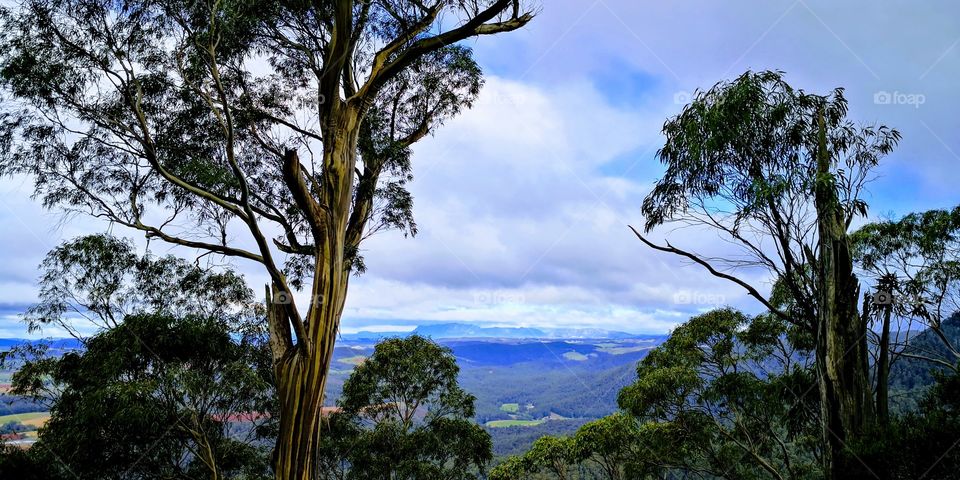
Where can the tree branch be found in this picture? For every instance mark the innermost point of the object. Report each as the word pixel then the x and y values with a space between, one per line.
pixel 473 27
pixel 713 271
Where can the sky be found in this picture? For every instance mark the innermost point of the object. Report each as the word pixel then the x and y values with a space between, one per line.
pixel 523 201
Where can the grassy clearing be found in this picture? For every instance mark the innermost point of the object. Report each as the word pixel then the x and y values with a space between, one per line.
pixel 510 407
pixel 354 360
pixel 624 350
pixel 575 356
pixel 32 419
pixel 515 423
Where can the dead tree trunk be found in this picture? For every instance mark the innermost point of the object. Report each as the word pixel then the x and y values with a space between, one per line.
pixel 842 357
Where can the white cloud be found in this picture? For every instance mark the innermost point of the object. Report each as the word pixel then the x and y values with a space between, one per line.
pixel 522 223
pixel 523 201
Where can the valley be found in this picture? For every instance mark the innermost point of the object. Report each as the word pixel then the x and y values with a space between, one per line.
pixel 524 387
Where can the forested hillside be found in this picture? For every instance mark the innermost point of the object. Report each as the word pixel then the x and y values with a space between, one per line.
pixel 910 377
pixel 556 385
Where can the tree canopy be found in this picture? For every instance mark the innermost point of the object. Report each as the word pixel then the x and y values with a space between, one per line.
pixel 289 122
pixel 155 397
pixel 741 160
pixel 100 279
pixel 779 173
pixel 404 416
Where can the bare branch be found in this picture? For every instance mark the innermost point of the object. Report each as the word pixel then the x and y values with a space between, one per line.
pixel 753 292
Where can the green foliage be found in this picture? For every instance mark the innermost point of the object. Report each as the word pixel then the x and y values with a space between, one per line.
pixel 168 114
pixel 914 262
pixel 779 173
pixel 741 161
pixel 918 444
pixel 929 234
pixel 724 382
pixel 185 120
pixel 912 376
pixel 154 397
pixel 401 376
pixel 102 278
pixel 726 396
pixel 749 144
pixel 513 468
pixel 610 442
pixel 554 454
pixel 157 390
pixel 405 416
pixel 15 462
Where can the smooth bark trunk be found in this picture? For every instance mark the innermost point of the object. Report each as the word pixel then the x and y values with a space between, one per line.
pixel 301 377
pixel 301 368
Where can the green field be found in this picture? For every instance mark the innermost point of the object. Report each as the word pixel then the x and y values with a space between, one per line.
pixel 515 423
pixel 33 419
pixel 354 360
pixel 510 407
pixel 624 350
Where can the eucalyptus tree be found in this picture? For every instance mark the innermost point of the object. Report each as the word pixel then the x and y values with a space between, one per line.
pixel 555 455
pixel 722 398
pixel 726 390
pixel 89 286
pixel 914 265
pixel 614 447
pixel 405 416
pixel 779 173
pixel 157 397
pixel 100 279
pixel 514 467
pixel 274 132
pixel 169 345
pixel 611 443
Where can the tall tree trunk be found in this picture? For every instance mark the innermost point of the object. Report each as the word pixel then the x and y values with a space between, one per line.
pixel 883 369
pixel 300 386
pixel 842 358
pixel 301 377
pixel 301 369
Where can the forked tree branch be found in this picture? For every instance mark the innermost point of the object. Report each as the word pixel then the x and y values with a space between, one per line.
pixel 293 177
pixel 477 25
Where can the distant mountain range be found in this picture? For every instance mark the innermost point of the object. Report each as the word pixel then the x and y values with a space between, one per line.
pixel 467 330
pixel 436 331
pixel 54 343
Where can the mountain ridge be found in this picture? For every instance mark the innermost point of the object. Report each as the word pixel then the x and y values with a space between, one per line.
pixel 468 330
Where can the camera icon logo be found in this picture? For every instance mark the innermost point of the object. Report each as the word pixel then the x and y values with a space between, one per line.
pixel 882 298
pixel 883 97
pixel 682 97
pixel 281 297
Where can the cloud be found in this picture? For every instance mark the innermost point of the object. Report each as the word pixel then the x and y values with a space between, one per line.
pixel 523 205
pixel 677 47
pixel 536 197
pixel 523 201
